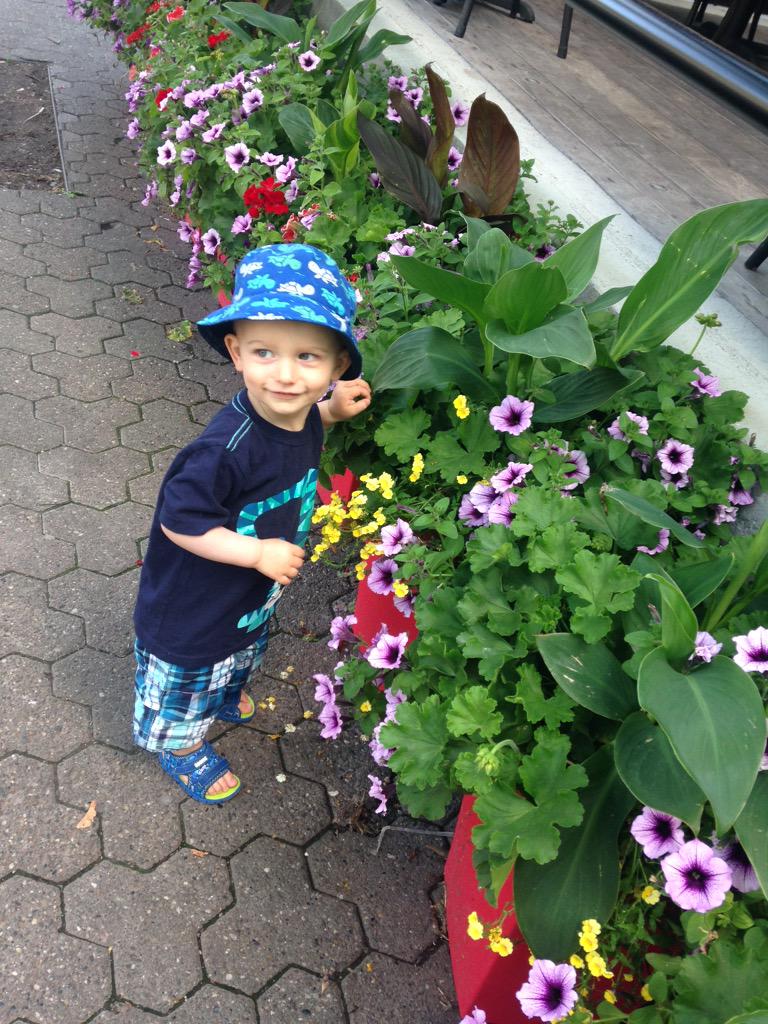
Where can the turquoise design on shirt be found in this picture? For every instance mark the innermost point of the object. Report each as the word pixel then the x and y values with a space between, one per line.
pixel 304 491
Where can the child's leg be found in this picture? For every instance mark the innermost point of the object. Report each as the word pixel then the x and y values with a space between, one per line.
pixel 245 664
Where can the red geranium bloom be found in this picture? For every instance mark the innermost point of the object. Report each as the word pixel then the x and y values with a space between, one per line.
pixel 265 197
pixel 175 14
pixel 214 40
pixel 136 35
pixel 160 96
pixel 352 278
pixel 154 6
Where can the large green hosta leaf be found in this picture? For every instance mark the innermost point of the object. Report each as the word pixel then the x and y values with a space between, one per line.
pixel 689 268
pixel 589 673
pixel 427 358
pixel 284 28
pixel 714 719
pixel 525 296
pixel 551 900
pixel 583 391
pixel 650 514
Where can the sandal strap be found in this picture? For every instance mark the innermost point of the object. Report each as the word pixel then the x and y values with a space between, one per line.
pixel 202 767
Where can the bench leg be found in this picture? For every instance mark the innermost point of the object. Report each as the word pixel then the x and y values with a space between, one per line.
pixel 565 31
pixel 466 11
pixel 758 256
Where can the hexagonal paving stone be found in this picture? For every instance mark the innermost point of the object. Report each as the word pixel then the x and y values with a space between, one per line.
pixel 73 264
pixel 20 427
pixel 150 920
pixel 17 335
pixel 131 300
pixel 105 682
pixel 117 210
pixel 106 540
pixel 25 548
pixel 12 228
pixel 19 297
pixel 19 378
pixel 71 298
pixel 23 484
pixel 298 660
pixel 383 989
pixel 145 488
pixel 13 261
pixel 139 812
pixel 87 378
pixel 91 426
pixel 158 378
pixel 204 412
pixel 148 339
pixel 105 603
pixel 305 608
pixel 164 423
pixel 115 237
pixel 37 722
pixel 37 833
pixel 219 378
pixel 125 267
pixel 193 305
pixel 82 337
pixel 97 479
pixel 67 233
pixel 209 1005
pixel 403 925
pixel 277 704
pixel 28 626
pixel 47 974
pixel 294 810
pixel 278 921
pixel 298 996
pixel 16 201
pixel 64 206
pixel 341 765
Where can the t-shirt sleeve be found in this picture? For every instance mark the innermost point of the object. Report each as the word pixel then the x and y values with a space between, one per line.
pixel 197 492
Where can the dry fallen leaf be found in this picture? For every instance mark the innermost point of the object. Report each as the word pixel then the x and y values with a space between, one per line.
pixel 198 853
pixel 87 819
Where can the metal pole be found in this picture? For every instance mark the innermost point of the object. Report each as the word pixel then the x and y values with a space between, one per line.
pixel 565 31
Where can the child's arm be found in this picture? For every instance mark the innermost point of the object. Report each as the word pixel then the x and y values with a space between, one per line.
pixel 275 558
pixel 349 398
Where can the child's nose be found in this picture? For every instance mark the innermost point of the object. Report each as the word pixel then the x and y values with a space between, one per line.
pixel 285 369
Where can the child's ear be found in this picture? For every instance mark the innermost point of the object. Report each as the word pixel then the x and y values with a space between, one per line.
pixel 342 365
pixel 232 343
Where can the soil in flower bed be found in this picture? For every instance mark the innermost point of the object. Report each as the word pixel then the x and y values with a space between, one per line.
pixel 29 150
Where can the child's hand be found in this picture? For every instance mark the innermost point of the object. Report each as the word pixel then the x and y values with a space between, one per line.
pixel 279 559
pixel 349 398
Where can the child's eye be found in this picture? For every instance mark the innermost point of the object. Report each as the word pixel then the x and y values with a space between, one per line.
pixel 263 353
pixel 308 357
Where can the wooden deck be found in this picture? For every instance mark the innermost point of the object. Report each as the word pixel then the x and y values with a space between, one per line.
pixel 660 145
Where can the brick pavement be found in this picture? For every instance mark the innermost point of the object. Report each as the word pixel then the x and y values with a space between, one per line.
pixel 273 908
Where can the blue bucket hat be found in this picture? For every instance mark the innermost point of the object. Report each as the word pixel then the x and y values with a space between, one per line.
pixel 288 282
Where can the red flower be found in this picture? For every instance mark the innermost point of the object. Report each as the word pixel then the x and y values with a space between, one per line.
pixel 154 51
pixel 352 278
pixel 160 96
pixel 154 6
pixel 288 230
pixel 175 14
pixel 135 36
pixel 214 40
pixel 265 197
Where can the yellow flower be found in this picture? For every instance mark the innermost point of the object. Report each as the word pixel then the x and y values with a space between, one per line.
pixel 461 479
pixel 417 467
pixel 576 961
pixel 371 482
pixel 597 966
pixel 474 926
pixel 365 707
pixel 650 895
pixel 629 977
pixel 645 992
pixel 609 997
pixel 400 588
pixel 587 942
pixel 591 925
pixel 502 947
pixel 531 960
pixel 379 517
pixel 309 714
pixel 461 407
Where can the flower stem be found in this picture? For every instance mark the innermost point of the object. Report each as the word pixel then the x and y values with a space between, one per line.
pixel 488 349
pixel 513 368
pixel 758 549
pixel 696 344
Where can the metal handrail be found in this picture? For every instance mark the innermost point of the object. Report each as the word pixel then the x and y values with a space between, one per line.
pixel 720 70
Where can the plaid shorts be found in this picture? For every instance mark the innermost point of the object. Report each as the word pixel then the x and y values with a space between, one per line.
pixel 174 706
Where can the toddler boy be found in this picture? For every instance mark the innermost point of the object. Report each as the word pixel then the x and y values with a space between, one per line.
pixel 234 509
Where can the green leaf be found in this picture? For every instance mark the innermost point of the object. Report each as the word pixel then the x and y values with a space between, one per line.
pixel 445 285
pixel 296 121
pixel 650 514
pixel 583 391
pixel 649 769
pixel 233 27
pixel 284 28
pixel 473 711
pixel 714 719
pixel 429 358
pixel 377 44
pixel 341 28
pixel 523 298
pixel 553 711
pixel 755 1017
pixel 430 802
pixel 490 168
pixel 713 987
pixel 601 580
pixel 492 256
pixel 678 621
pixel 752 829
pixel 536 510
pixel 418 737
pixel 607 299
pixel 476 228
pixel 577 259
pixel 564 335
pixel 590 674
pixel 688 269
pixel 698 581
pixel 551 900
pixel 486 599
pixel 556 545
pixel 452 458
pixel 403 174
pixel 400 434
pixel 491 650
pixel 492 546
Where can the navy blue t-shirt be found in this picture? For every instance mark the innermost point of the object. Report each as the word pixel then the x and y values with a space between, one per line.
pixel 247 475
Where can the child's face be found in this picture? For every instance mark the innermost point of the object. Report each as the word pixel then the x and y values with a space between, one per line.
pixel 286 366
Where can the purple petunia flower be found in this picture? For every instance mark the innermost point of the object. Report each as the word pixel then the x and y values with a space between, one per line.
pixel 470 514
pixel 252 100
pixel 341 631
pixel 388 651
pixel 325 691
pixel 290 194
pixel 642 457
pixel 482 496
pixel 379 752
pixel 237 156
pixel 616 432
pixel 706 384
pixel 752 650
pixel 661 544
pixel 377 793
pixel 184 131
pixel 500 510
pixel 544 252
pixel 743 876
pixel 399 82
pixel 198 119
pixel 696 878
pixel 188 156
pixel 271 159
pixel 308 60
pixel 332 721
pixel 395 538
pixel 150 193
pixel 705 647
pixel 375 179
pixel 214 132
pixel 549 992
pixel 185 231
pixel 166 154
pixel 392 114
pixel 133 129
pixel 476 1017
pixel 414 96
pixel 287 171
pixel 513 416
pixel 512 476
pixel 211 241
pixel 675 457
pixel 739 495
pixel 394 699
pixel 579 470
pixel 460 111
pixel 658 833
pixel 724 514
pixel 241 224
pixel 405 605
pixel 401 249
pixel 194 98
pixel 382 576
pixel 454 159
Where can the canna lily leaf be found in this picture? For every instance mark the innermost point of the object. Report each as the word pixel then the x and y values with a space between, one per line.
pixel 590 674
pixel 650 514
pixel 678 621
pixel 476 228
pixel 428 358
pixel 564 335
pixel 492 255
pixel 440 143
pixel 403 174
pixel 347 23
pixel 752 829
pixel 577 259
pixel 491 161
pixel 297 123
pixel 581 392
pixel 414 133
pixel 233 27
pixel 607 299
pixel 284 28
pixel 697 582
pixel 525 296
pixel 376 45
pixel 445 285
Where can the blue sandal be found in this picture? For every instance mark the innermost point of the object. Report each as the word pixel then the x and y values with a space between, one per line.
pixel 231 712
pixel 202 767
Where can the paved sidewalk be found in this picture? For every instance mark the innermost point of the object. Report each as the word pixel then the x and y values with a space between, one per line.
pixel 273 908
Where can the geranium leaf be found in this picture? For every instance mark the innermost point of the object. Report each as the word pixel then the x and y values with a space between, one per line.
pixel 555 546
pixel 418 737
pixel 583 391
pixel 577 259
pixel 553 711
pixel 710 989
pixel 589 673
pixel 491 650
pixel 715 721
pixel 452 458
pixel 429 358
pixel 491 158
pixel 430 802
pixel 492 546
pixel 401 433
pixel 403 174
pixel 602 581
pixel 752 829
pixel 648 767
pixel 473 711
pixel 564 334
